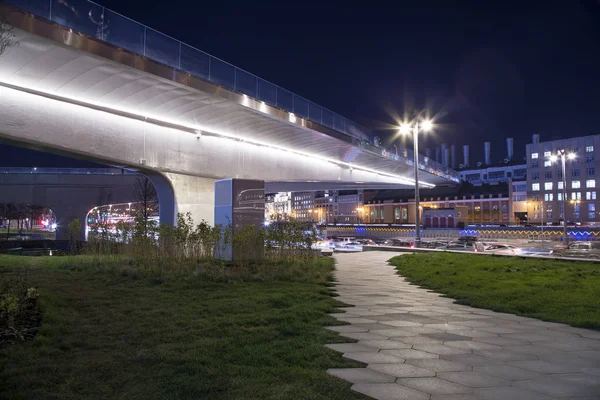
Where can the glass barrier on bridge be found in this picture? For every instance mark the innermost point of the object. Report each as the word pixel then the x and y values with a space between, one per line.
pixel 104 24
pixel 66 171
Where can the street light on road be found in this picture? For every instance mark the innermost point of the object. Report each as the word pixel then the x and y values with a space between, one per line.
pixel 417 126
pixel 563 155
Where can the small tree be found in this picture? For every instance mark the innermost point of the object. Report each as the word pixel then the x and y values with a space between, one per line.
pixel 7 36
pixel 147 203
pixel 74 230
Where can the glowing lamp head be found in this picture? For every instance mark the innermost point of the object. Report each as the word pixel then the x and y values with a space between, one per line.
pixel 553 158
pixel 427 125
pixel 405 129
pixel 571 156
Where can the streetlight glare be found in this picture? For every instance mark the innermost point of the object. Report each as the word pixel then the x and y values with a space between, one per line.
pixel 404 129
pixel 553 158
pixel 571 156
pixel 427 125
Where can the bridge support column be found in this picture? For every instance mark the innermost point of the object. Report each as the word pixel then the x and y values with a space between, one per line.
pixel 65 214
pixel 178 193
pixel 241 203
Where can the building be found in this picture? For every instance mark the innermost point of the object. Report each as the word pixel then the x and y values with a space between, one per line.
pixel 324 207
pixel 494 174
pixel 486 204
pixel 278 206
pixel 518 201
pixel 545 203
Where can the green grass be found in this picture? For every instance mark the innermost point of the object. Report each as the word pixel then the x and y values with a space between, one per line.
pixel 551 290
pixel 110 335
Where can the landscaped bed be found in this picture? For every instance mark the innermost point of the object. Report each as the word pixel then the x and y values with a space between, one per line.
pixel 113 333
pixel 551 290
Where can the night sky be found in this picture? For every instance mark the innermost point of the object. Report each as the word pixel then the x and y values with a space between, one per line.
pixel 486 70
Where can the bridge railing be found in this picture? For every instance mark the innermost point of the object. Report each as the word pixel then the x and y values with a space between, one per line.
pixel 66 171
pixel 109 26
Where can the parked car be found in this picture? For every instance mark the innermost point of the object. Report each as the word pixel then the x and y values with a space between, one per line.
pixel 340 241
pixel 506 249
pixel 433 244
pixel 462 245
pixel 366 242
pixel 350 247
pixel 579 250
pixel 402 243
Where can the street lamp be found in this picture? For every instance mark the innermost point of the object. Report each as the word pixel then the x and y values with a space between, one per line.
pixel 562 154
pixel 417 126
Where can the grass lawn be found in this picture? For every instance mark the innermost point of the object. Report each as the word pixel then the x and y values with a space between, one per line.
pixel 105 335
pixel 551 290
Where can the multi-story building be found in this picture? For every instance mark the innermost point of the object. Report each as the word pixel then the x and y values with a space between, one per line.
pixel 278 206
pixel 324 207
pixel 482 206
pixel 518 200
pixel 500 173
pixel 303 206
pixel 547 200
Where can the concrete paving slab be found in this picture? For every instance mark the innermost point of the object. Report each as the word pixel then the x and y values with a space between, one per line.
pixel 389 391
pixel 433 385
pixel 508 372
pixel 473 379
pixel 369 357
pixel 361 375
pixel 512 393
pixel 410 353
pixel 438 365
pixel 384 344
pixel 402 370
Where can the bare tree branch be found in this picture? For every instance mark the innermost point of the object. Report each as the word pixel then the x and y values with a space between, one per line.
pixel 147 201
pixel 7 36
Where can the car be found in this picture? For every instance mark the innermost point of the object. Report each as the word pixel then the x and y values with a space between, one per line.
pixel 340 241
pixel 462 245
pixel 383 242
pixel 433 244
pixel 402 243
pixel 503 249
pixel 589 250
pixel 366 242
pixel 350 247
pixel 498 246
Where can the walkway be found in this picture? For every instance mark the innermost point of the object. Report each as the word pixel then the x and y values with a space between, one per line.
pixel 419 345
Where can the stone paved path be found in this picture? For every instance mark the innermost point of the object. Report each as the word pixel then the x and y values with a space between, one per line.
pixel 419 345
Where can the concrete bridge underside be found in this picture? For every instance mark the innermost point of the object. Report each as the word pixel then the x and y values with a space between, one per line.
pixel 67 93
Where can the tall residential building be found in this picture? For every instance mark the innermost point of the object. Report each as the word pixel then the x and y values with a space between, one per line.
pixel 545 183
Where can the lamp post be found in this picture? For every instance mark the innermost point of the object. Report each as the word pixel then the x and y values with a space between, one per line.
pixel 562 154
pixel 417 126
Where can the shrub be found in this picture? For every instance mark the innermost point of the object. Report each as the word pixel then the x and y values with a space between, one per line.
pixel 17 300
